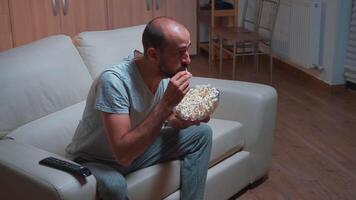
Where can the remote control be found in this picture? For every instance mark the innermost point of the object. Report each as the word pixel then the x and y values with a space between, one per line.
pixel 66 166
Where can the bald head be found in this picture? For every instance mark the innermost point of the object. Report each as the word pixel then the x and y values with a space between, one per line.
pixel 160 31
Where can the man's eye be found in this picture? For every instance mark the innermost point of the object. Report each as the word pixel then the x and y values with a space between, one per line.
pixel 182 52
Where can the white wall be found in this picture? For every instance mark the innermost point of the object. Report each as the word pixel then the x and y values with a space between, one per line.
pixel 328 36
pixel 335 33
pixel 343 26
pixel 334 29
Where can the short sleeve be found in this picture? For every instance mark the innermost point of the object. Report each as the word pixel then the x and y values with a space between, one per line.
pixel 165 83
pixel 111 94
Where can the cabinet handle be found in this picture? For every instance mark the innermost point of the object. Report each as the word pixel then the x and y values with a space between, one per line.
pixel 65 7
pixel 148 5
pixel 54 7
pixel 158 4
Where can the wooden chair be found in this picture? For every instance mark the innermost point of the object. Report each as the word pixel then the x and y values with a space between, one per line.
pixel 214 14
pixel 249 22
pixel 253 40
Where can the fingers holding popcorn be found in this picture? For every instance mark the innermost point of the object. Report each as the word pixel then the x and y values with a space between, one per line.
pixel 177 88
pixel 178 123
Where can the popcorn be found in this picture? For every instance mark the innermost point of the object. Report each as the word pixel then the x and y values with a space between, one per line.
pixel 199 103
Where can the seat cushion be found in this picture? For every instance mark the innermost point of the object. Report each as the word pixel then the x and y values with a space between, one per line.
pixel 227 139
pixel 52 132
pixel 101 49
pixel 155 182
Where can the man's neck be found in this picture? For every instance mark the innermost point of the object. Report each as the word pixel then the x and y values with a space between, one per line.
pixel 149 73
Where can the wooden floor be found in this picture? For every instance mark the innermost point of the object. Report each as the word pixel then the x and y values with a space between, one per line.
pixel 314 151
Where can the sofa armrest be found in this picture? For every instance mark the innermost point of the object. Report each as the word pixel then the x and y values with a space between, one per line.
pixel 21 177
pixel 253 105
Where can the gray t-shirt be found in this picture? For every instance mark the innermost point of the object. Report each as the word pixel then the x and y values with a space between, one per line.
pixel 119 89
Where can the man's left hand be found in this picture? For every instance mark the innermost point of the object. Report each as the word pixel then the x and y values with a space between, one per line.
pixel 177 123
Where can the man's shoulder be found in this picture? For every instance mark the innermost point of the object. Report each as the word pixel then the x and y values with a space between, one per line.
pixel 121 70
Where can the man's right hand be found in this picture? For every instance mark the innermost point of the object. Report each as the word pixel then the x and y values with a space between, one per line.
pixel 177 88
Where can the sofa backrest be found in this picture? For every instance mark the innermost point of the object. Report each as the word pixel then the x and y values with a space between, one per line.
pixel 38 79
pixel 101 49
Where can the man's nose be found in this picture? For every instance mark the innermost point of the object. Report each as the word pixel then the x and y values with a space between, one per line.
pixel 186 58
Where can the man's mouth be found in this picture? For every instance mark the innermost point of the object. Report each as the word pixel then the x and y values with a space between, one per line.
pixel 169 75
pixel 183 68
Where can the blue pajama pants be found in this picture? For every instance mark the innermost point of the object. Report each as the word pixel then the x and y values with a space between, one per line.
pixel 191 145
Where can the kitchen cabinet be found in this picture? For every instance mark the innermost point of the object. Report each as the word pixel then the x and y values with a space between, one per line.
pixel 5 27
pixel 123 13
pixel 35 19
pixel 84 15
pixel 24 21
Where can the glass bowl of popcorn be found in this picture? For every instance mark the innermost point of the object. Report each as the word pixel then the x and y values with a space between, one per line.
pixel 199 103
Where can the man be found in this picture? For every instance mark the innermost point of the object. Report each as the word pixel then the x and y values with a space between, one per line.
pixel 121 127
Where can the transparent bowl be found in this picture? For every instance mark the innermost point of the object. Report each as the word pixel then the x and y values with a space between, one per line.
pixel 201 109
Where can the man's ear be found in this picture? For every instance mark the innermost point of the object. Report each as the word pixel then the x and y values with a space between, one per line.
pixel 152 54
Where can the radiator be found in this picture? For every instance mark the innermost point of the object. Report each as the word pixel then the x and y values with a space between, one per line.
pixel 297 35
pixel 350 66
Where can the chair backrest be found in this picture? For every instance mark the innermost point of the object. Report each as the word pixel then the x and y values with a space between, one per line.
pixel 223 10
pixel 250 14
pixel 267 19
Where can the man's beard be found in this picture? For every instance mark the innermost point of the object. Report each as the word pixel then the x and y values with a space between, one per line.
pixel 168 74
pixel 165 72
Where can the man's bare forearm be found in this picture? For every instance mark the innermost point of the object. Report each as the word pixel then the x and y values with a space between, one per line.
pixel 128 143
pixel 134 142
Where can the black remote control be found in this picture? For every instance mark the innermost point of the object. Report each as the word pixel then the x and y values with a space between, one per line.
pixel 66 166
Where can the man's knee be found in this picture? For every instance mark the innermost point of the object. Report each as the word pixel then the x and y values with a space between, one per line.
pixel 113 188
pixel 110 183
pixel 205 133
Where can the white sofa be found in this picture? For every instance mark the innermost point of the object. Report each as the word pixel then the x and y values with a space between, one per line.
pixel 43 90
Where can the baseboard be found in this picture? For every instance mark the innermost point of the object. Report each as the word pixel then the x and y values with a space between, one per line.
pixel 311 72
pixel 351 85
pixel 309 75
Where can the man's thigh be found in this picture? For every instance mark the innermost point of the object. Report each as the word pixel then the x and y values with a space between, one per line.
pixel 171 144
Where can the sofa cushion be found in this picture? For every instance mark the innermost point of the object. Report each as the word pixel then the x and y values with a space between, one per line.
pixel 52 132
pixel 227 139
pixel 38 79
pixel 100 49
